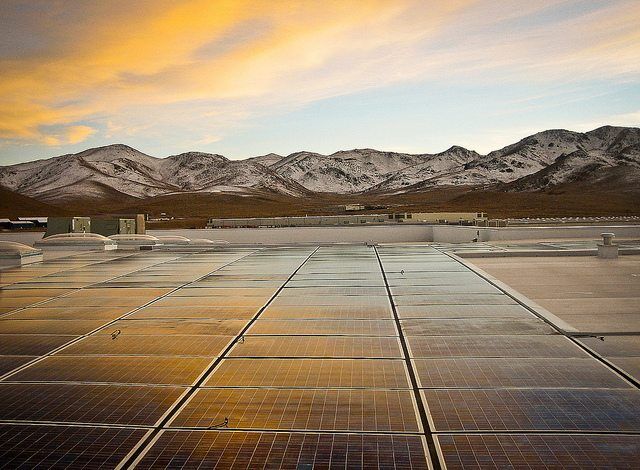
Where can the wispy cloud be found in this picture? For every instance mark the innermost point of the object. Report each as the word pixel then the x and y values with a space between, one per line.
pixel 202 68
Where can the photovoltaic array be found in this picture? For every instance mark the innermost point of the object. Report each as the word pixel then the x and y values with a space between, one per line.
pixel 344 356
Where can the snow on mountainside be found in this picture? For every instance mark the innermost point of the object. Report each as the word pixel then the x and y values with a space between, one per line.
pixel 266 160
pixel 540 161
pixel 450 161
pixel 345 171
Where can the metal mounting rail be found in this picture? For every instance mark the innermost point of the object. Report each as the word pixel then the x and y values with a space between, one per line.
pixel 428 432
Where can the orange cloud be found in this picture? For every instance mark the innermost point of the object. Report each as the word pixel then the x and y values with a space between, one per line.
pixel 240 57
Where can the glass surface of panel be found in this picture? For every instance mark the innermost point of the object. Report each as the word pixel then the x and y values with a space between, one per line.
pixel 351 312
pixel 317 346
pixel 300 409
pixel 534 410
pixel 614 345
pixel 493 346
pixel 150 345
pixel 109 404
pixel 324 327
pixel 8 363
pixel 32 345
pixel 516 372
pixel 169 327
pixel 475 326
pixel 24 446
pixel 310 373
pixel 463 311
pixel 49 327
pixel 117 369
pixel 248 450
pixel 539 451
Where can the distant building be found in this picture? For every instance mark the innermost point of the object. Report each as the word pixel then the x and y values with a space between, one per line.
pixel 19 224
pixel 342 220
pixel 105 226
pixel 56 225
pixel 354 207
pixel 37 221
pixel 463 218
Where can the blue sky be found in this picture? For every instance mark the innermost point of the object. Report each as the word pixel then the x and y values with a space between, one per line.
pixel 245 78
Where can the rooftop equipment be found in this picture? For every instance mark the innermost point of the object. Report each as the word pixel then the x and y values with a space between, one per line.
pixel 17 254
pixel 76 241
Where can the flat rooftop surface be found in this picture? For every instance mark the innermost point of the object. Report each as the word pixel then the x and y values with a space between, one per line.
pixel 342 356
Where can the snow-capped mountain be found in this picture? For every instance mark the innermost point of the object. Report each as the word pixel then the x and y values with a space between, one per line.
pixel 540 161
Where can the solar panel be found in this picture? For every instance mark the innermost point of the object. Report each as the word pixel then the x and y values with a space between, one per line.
pixel 614 345
pixel 310 373
pixel 206 301
pixel 535 410
pixel 493 346
pixel 631 365
pixel 262 292
pixel 301 409
pixel 349 300
pixel 17 302
pixel 8 363
pixel 31 345
pixel 332 290
pixel 51 327
pixel 475 288
pixel 322 365
pixel 209 311
pixel 31 446
pixel 213 449
pixel 118 369
pixel 324 327
pixel 109 404
pixel 69 313
pixel 177 327
pixel 453 299
pixel 317 346
pixel 539 451
pixel 515 372
pixel 150 345
pixel 463 311
pixel 475 326
pixel 344 312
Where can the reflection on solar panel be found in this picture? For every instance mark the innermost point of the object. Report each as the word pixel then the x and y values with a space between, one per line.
pixel 65 446
pixel 214 449
pixel 8 363
pixel 150 345
pixel 493 346
pixel 535 410
pixel 315 346
pixel 31 345
pixel 540 451
pixel 343 356
pixel 324 327
pixel 117 369
pixel 510 372
pixel 110 404
pixel 310 373
pixel 476 326
pixel 344 410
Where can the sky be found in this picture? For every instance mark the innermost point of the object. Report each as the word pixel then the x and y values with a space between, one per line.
pixel 246 78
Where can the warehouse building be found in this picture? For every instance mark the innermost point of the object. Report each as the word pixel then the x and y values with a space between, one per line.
pixel 468 218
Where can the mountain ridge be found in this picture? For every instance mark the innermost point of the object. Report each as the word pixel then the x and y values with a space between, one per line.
pixel 536 162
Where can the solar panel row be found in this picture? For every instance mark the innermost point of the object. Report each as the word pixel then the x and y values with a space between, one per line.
pixel 179 351
pixel 487 364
